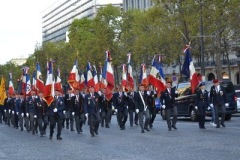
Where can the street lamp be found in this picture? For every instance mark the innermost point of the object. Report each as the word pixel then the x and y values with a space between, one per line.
pixel 238 62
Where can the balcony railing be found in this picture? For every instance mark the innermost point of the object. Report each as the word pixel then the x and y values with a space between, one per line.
pixel 232 62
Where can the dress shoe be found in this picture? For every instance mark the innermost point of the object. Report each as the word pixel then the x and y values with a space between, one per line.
pixel 150 125
pixel 67 127
pixel 78 132
pixel 169 128
pixel 218 126
pixel 122 127
pixel 72 130
pixel 59 138
pixel 142 130
pixel 33 133
pixel 131 125
pixel 81 130
pixel 92 135
pixel 107 126
pixel 223 124
pixel 96 132
pixel 21 129
pixel 146 129
pixel 136 123
pixel 174 127
pixel 50 137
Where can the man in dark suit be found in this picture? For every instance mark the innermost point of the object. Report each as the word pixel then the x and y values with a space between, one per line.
pixel 55 111
pixel 201 103
pixel 78 110
pixel 105 107
pixel 41 110
pixel 218 100
pixel 141 106
pixel 131 107
pixel 120 104
pixel 68 112
pixel 91 110
pixel 168 103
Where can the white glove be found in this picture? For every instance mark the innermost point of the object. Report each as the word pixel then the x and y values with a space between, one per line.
pixel 73 113
pixel 209 108
pixel 9 111
pixel 27 114
pixel 64 112
pixel 125 93
pixel 116 110
pixel 55 110
pixel 137 110
pixel 211 105
pixel 113 108
pixel 176 92
pixel 17 113
pixel 155 92
pixel 12 112
pixel 226 104
pixel 100 93
pixel 99 110
pixel 163 106
pixel 148 92
pixel 86 115
pixel 196 107
pixel 127 107
pixel 35 116
pixel 5 110
pixel 22 114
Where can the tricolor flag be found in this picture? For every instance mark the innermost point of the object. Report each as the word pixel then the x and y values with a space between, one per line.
pixel 39 81
pixel 129 71
pixel 143 79
pixel 124 77
pixel 107 76
pixel 23 81
pixel 58 84
pixel 73 78
pixel 82 81
pixel 49 86
pixel 89 79
pixel 188 69
pixel 34 81
pixel 28 82
pixel 95 78
pixel 10 86
pixel 157 82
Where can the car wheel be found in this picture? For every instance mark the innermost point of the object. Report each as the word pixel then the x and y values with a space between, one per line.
pixel 228 117
pixel 193 115
pixel 163 114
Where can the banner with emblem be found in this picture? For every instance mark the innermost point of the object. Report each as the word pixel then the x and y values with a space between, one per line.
pixel 3 94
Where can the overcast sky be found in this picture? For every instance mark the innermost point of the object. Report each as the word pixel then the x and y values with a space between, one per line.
pixel 21 27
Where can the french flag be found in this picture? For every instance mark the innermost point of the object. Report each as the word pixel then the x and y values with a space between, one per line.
pixel 107 76
pixel 73 78
pixel 58 84
pixel 34 81
pixel 28 82
pixel 188 69
pixel 24 82
pixel 39 81
pixel 10 86
pixel 109 72
pixel 143 75
pixel 157 82
pixel 129 71
pixel 95 78
pixel 90 79
pixel 82 81
pixel 49 86
pixel 124 77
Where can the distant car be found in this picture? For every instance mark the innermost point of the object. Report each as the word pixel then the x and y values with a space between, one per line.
pixel 186 101
pixel 237 90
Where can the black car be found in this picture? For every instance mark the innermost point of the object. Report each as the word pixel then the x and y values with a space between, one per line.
pixel 186 101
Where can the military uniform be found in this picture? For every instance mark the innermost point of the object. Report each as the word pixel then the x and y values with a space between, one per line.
pixel 106 110
pixel 131 108
pixel 69 109
pixel 41 115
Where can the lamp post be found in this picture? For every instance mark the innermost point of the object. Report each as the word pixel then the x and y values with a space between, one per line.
pixel 238 62
pixel 201 39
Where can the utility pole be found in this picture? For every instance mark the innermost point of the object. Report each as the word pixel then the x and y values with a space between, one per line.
pixel 201 40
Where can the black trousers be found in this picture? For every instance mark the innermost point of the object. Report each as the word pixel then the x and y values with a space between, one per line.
pixel 79 120
pixel 93 121
pixel 132 117
pixel 122 115
pixel 55 120
pixel 202 113
pixel 168 115
pixel 1 113
pixel 106 116
pixel 218 108
pixel 152 112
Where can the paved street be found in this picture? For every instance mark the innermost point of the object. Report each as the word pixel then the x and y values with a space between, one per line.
pixel 187 142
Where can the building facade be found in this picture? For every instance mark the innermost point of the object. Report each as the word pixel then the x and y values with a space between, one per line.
pixel 136 4
pixel 58 17
pixel 18 61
